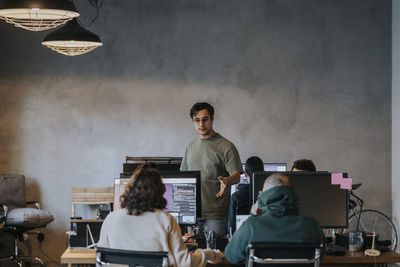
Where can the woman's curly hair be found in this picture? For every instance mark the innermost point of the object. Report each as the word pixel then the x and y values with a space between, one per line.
pixel 145 191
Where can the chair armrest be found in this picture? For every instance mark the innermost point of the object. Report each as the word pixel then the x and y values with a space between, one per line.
pixel 35 203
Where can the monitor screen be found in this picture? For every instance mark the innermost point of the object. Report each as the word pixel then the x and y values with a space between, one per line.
pixel 327 203
pixel 182 192
pixel 274 167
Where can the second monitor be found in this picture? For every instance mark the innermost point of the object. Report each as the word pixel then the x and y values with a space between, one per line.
pixel 327 203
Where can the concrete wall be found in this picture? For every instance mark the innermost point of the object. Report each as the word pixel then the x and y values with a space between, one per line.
pixel 288 79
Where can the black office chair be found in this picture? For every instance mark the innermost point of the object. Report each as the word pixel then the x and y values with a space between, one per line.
pixel 131 258
pixel 284 254
pixel 17 219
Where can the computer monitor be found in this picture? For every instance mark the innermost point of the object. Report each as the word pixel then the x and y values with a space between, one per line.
pixel 131 167
pixel 327 203
pixel 275 167
pixel 183 194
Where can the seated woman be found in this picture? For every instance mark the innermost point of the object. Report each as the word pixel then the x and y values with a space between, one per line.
pixel 142 224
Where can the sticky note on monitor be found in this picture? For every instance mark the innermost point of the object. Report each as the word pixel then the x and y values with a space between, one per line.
pixel 336 178
pixel 346 183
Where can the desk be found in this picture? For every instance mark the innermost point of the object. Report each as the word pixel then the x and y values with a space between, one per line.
pixel 80 257
pixel 355 259
pixel 84 257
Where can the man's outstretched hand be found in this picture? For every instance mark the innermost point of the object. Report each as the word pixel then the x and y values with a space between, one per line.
pixel 223 186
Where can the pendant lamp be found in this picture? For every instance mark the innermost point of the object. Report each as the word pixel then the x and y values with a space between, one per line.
pixel 72 39
pixel 38 15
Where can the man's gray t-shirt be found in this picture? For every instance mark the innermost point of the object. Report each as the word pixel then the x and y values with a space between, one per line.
pixel 213 157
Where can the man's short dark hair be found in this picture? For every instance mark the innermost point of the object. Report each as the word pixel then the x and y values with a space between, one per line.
pixel 304 165
pixel 253 164
pixel 200 106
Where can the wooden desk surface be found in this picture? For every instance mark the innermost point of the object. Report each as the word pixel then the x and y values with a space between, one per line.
pixel 78 256
pixel 358 257
pixel 88 256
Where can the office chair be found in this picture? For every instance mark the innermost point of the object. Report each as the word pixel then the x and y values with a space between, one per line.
pixel 131 258
pixel 17 218
pixel 284 254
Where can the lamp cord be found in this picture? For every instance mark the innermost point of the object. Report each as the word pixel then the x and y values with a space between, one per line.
pixel 96 4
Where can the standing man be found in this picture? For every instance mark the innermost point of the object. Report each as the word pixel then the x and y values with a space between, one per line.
pixel 219 163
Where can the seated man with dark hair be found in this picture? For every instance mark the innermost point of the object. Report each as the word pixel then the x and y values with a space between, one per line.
pixel 303 165
pixel 240 200
pixel 279 222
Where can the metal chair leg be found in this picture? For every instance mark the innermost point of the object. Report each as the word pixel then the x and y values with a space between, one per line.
pixel 20 259
pixel 32 259
pixel 7 259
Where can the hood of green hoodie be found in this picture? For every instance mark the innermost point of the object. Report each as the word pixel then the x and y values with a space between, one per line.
pixel 279 201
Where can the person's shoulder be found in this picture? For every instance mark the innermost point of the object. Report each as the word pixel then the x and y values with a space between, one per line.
pixel 115 214
pixel 223 140
pixel 163 216
pixel 252 218
pixel 246 229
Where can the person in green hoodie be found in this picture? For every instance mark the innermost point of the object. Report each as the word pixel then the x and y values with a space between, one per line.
pixel 278 222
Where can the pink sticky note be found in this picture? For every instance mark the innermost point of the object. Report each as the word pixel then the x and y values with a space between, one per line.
pixel 346 183
pixel 336 178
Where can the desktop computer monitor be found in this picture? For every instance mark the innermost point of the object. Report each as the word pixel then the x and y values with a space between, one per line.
pixel 182 192
pixel 274 167
pixel 327 203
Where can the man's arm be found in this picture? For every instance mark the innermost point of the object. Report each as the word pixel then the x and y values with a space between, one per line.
pixel 236 251
pixel 232 179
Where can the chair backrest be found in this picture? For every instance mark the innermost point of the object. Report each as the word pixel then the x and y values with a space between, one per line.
pixel 131 258
pixel 284 254
pixel 12 190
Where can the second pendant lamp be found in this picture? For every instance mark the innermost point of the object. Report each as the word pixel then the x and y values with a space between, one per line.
pixel 72 39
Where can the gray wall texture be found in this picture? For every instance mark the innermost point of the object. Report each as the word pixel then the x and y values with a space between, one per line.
pixel 288 79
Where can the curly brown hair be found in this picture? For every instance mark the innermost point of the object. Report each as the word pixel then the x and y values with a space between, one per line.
pixel 145 191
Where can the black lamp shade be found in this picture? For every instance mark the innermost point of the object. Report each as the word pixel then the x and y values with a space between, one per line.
pixel 72 40
pixel 72 31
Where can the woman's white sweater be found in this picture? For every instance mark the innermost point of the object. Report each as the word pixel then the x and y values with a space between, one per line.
pixel 150 231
